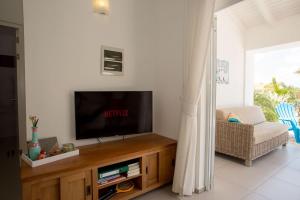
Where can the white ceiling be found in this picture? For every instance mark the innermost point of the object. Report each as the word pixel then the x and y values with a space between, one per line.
pixel 252 13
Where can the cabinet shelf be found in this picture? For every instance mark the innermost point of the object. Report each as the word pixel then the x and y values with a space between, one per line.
pixel 102 186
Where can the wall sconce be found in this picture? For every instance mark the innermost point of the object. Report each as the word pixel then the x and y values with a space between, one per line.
pixel 101 6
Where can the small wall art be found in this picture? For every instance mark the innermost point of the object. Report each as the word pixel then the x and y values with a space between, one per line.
pixel 112 61
pixel 222 72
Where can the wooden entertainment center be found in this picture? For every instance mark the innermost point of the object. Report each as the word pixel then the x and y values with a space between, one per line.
pixel 76 178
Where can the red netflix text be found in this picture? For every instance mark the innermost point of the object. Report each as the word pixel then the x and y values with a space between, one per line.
pixel 116 113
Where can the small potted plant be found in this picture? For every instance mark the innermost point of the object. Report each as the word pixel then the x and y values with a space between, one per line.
pixel 34 148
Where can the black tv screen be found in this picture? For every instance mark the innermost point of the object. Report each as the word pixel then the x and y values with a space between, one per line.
pixel 104 114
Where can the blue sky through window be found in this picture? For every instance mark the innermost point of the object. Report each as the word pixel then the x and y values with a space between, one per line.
pixel 280 63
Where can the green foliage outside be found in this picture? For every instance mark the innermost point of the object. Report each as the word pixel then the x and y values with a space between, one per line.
pixel 271 94
pixel 267 104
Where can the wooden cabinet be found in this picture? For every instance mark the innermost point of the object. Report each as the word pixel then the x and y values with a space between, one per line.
pixel 71 187
pixel 151 169
pixel 76 178
pixel 48 189
pixel 159 167
pixel 76 186
pixel 167 164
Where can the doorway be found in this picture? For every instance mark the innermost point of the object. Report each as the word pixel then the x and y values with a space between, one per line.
pixel 9 131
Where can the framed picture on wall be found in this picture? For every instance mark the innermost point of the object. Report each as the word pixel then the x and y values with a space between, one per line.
pixel 222 72
pixel 112 61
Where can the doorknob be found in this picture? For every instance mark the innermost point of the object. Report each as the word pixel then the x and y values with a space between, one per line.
pixel 88 190
pixel 173 162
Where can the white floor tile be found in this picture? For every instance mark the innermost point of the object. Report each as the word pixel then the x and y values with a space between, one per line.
pixel 281 156
pixel 276 189
pixel 220 162
pixel 223 190
pixel 289 175
pixel 275 176
pixel 248 177
pixel 295 164
pixel 164 193
pixel 254 196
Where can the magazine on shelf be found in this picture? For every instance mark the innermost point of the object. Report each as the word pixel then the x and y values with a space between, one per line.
pixel 112 180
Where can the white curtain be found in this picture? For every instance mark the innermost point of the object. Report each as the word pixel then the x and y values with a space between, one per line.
pixel 198 22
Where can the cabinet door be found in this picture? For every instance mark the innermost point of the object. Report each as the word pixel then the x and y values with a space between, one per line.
pixel 42 190
pixel 151 169
pixel 76 186
pixel 167 164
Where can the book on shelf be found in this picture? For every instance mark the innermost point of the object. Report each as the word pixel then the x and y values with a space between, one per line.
pixel 133 174
pixel 109 178
pixel 114 171
pixel 105 181
pixel 118 170
pixel 134 171
pixel 134 164
pixel 133 167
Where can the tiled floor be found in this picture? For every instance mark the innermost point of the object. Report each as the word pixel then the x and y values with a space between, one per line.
pixel 275 176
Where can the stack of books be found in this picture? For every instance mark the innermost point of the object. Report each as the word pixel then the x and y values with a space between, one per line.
pixel 117 173
pixel 112 178
pixel 133 169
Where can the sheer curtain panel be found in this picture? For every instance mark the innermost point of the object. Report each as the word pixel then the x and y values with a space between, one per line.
pixel 198 21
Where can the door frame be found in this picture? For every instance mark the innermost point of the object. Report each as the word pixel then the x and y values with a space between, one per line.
pixel 211 88
pixel 20 82
pixel 211 108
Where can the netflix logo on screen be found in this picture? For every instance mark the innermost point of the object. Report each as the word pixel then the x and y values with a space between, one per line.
pixel 111 113
pixel 116 113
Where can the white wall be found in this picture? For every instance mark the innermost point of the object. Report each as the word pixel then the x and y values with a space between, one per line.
pixel 11 11
pixel 62 45
pixel 221 4
pixel 169 71
pixel 249 78
pixel 230 47
pixel 280 32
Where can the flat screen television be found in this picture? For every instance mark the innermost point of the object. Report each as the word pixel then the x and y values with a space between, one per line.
pixel 105 114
